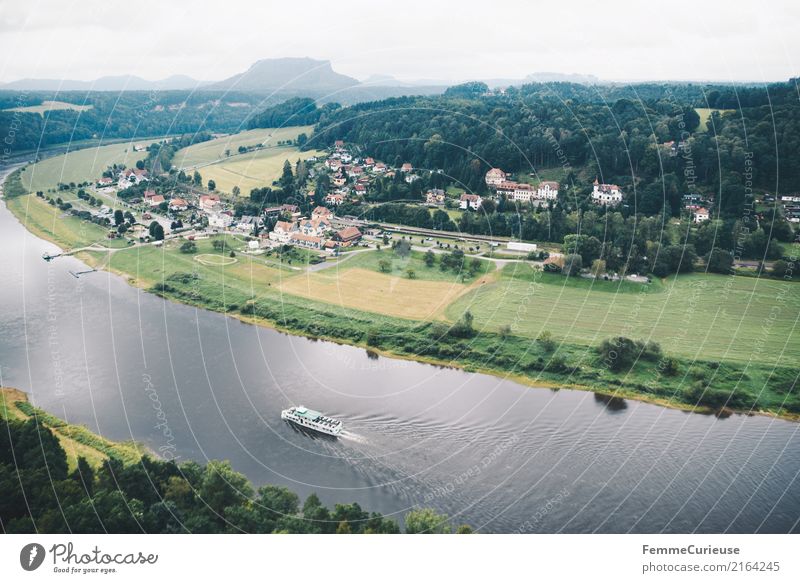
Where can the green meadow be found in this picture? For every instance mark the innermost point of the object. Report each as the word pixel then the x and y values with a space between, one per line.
pixel 709 317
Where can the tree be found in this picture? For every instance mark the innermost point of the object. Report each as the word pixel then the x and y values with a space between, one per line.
pixel 780 269
pixel 619 353
pixel 197 179
pixel 287 178
pixel 212 186
pixel 720 261
pixel 119 217
pixel 188 247
pixel 598 267
pixel 474 266
pixel 236 190
pixel 411 274
pixel 427 521
pixel 156 231
pixel 463 328
pixel 573 263
pixel 384 265
pixel 403 248
pixel 430 258
pixel 587 247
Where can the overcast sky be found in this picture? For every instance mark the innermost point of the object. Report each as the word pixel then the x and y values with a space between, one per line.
pixel 409 39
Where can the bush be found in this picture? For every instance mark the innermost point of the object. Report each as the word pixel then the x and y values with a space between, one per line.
pixel 463 328
pixel 545 340
pixel 188 247
pixel 573 263
pixel 719 261
pixel 619 353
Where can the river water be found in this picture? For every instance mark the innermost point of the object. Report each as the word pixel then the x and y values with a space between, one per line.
pixel 193 384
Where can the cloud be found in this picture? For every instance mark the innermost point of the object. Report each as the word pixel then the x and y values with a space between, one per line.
pixel 416 39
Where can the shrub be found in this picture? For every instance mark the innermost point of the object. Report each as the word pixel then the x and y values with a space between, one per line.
pixel 545 340
pixel 188 247
pixel 573 263
pixel 619 353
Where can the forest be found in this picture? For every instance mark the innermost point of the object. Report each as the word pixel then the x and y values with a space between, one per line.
pixel 41 494
pixel 646 138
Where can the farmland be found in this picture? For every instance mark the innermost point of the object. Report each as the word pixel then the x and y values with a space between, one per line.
pixel 251 170
pixel 46 106
pixel 214 150
pixel 78 166
pixel 362 289
pixel 694 316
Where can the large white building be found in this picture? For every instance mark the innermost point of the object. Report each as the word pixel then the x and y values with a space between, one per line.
pixel 495 176
pixel 606 194
pixel 526 193
pixel 472 201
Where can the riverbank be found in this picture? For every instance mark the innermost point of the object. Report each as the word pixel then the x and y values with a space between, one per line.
pixel 255 296
pixel 530 363
pixel 76 440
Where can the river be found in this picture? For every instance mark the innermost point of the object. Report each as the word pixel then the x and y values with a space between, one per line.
pixel 193 384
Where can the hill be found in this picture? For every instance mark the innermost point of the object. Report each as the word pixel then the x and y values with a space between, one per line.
pixel 288 74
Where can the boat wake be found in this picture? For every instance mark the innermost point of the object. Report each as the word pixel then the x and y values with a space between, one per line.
pixel 350 436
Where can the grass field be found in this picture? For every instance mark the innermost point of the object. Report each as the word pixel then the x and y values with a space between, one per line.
pixel 696 316
pixel 252 170
pixel 49 106
pixel 247 171
pixel 705 114
pixel 214 150
pixel 78 166
pixel 76 440
pixel 152 265
pixel 415 261
pixel 363 289
pixel 48 222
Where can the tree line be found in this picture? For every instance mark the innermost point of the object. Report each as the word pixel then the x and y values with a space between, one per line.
pixel 41 494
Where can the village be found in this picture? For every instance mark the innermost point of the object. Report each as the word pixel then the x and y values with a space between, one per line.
pixel 159 213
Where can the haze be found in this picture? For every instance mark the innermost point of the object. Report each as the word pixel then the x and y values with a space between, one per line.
pixel 410 40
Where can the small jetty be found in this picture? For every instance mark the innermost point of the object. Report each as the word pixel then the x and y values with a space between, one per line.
pixel 77 274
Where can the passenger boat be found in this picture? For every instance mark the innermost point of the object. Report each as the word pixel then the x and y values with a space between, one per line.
pixel 309 419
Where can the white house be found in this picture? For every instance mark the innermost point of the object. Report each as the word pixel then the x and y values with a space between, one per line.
pixel 283 231
pixel 220 220
pixel 209 202
pixel 472 201
pixel 246 224
pixel 315 227
pixel 701 215
pixel 606 194
pixel 547 190
pixel 495 176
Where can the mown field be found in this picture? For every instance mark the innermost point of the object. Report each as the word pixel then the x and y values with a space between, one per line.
pixel 79 166
pixel 252 170
pixel 50 106
pixel 214 150
pixel 697 316
pixel 150 265
pixel 363 289
pixel 76 440
pixel 249 170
